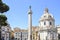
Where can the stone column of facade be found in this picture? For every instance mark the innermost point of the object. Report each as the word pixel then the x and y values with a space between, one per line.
pixel 30 24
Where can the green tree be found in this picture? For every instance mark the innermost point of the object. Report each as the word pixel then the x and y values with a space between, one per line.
pixel 3 7
pixel 3 18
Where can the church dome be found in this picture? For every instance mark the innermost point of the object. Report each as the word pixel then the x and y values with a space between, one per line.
pixel 46 15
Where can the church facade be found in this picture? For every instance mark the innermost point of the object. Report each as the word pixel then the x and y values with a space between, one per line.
pixel 47 29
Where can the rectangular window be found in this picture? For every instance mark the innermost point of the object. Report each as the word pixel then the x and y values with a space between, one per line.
pixel 44 23
pixel 50 23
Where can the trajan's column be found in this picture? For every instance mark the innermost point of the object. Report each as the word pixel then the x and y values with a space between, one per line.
pixel 29 23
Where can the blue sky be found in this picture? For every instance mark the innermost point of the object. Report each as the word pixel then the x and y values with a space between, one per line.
pixel 18 16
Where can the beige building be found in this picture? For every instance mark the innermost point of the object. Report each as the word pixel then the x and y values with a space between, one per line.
pixel 12 35
pixel 20 34
pixel 35 33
